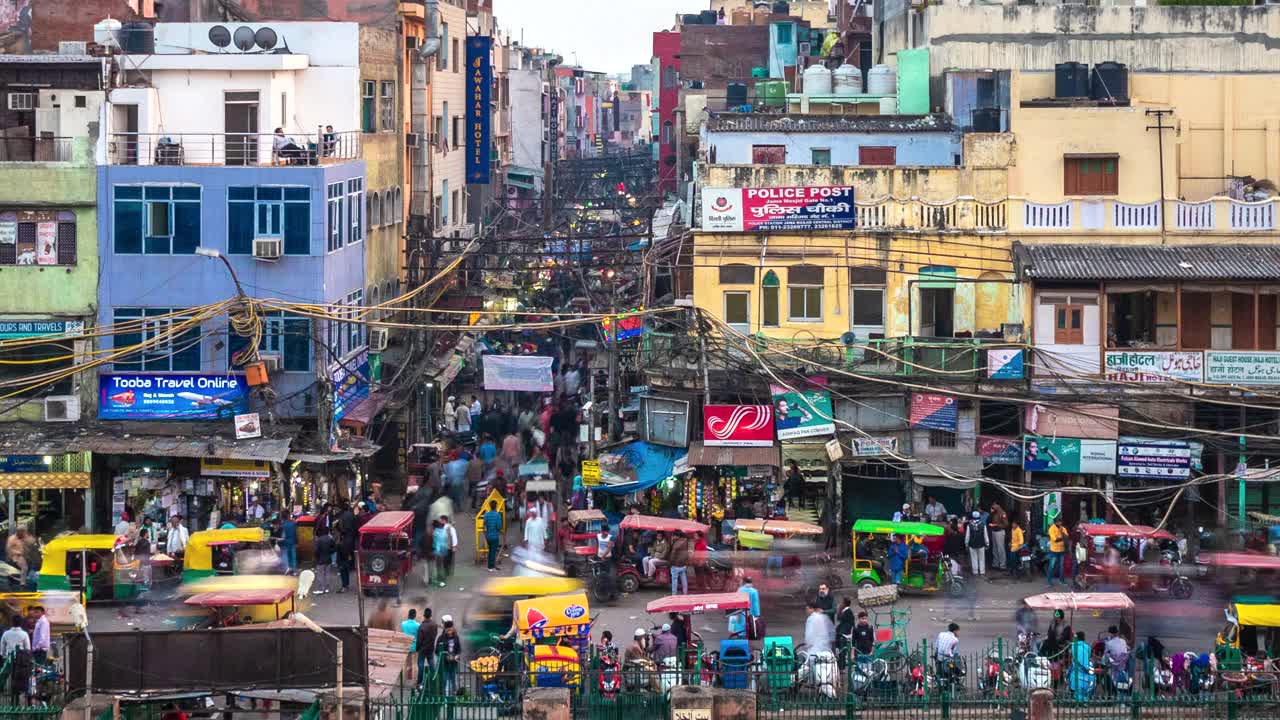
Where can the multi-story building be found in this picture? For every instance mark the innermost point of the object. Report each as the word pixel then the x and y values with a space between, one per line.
pixel 448 112
pixel 666 55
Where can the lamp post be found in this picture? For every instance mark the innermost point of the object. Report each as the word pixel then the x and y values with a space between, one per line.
pixel 313 627
pixel 212 253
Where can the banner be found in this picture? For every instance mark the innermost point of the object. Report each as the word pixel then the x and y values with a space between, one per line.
pixel 13 329
pixel 224 467
pixel 874 446
pixel 778 208
pixel 1242 368
pixel 935 412
pixel 802 414
pixel 1000 450
pixel 1004 364
pixel 1142 457
pixel 737 425
pixel 522 373
pixel 176 396
pixel 1069 455
pixel 479 83
pixel 350 383
pixel 1148 367
pixel 47 243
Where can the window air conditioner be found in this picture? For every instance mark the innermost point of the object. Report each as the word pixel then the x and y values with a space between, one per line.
pixel 73 47
pixel 268 248
pixel 62 408
pixel 412 140
pixel 378 339
pixel 272 362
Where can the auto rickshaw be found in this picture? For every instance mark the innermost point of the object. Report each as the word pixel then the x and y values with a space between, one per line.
pixel 733 653
pixel 1080 667
pixel 713 574
pixel 555 631
pixel 385 552
pixel 482 544
pixel 220 588
pixel 490 611
pixel 234 551
pixel 306 539
pixel 1241 570
pixel 1253 628
pixel 925 571
pixel 790 548
pixel 1116 558
pixel 56 603
pixel 580 545
pixel 91 565
pixel 242 607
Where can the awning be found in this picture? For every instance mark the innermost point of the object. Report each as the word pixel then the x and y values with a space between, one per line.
pixel 700 454
pixel 517 181
pixel 270 449
pixel 928 471
pixel 45 481
pixel 365 411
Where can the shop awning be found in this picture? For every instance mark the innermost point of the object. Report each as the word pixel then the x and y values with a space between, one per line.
pixel 270 449
pixel 928 471
pixel 365 411
pixel 700 454
pixel 44 481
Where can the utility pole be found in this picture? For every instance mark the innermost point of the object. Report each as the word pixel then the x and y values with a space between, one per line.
pixel 695 321
pixel 1242 469
pixel 553 143
pixel 1160 127
pixel 677 135
pixel 591 414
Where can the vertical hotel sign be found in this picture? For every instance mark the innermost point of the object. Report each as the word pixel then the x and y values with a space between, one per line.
pixel 479 82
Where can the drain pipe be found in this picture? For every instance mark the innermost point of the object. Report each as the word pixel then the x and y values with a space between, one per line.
pixel 420 113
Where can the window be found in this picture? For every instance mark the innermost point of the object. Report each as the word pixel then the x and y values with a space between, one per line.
pixel 355 210
pixel 942 438
pixel 877 155
pixel 355 330
pixel 821 156
pixel 769 299
pixel 737 310
pixel 334 333
pixel 457 131
pixel 1091 175
pixel 784 33
pixel 455 55
pixel 1068 324
pixel 444 203
pixel 368 106
pixel 29 237
pixel 82 101
pixel 387 107
pixel 335 216
pixel 668 133
pixel 768 155
pixel 54 357
pixel 804 293
pixel 442 62
pixel 444 123
pixel 669 77
pixel 737 274
pixel 866 299
pixel 285 335
pixel 397 206
pixel 375 209
pixel 157 219
pixel 457 207
pixel 264 211
pixel 174 350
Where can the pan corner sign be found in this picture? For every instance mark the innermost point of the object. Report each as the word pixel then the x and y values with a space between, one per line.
pixel 591 473
pixel 691 713
pixel 248 426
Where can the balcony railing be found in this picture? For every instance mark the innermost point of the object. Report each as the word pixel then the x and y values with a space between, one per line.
pixel 233 149
pixel 35 149
pixel 1215 215
pixel 917 214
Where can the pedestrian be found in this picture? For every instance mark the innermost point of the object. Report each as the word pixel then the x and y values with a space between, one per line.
pixel 475 411
pixel 1081 557
pixel 323 561
pixel 935 511
pixel 794 485
pixel 492 521
pixel 665 645
pixel 898 554
pixel 440 551
pixel 449 647
pixel 176 542
pixel 462 418
pixel 346 549
pixel 819 632
pixel 382 617
pixel 998 524
pixel 40 636
pixel 1057 550
pixel 825 601
pixel 289 544
pixel 953 540
pixel 425 644
pixel 256 511
pixel 977 539
pixel 845 622
pixel 1017 543
pixel 451 533
pixel 679 559
pixel 864 636
pixel 455 477
pixel 450 415
pixel 753 596
pixel 409 626
pixel 15 648
pixel 472 482
pixel 535 531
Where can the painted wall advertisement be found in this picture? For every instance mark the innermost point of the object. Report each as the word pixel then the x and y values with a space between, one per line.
pixel 1149 458
pixel 1229 367
pixel 479 82
pixel 522 373
pixel 1148 367
pixel 778 208
pixel 935 412
pixel 177 396
pixel 999 450
pixel 1004 364
pixel 1069 455
pixel 802 414
pixel 737 425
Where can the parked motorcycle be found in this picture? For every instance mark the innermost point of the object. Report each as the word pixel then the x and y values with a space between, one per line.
pixel 610 678
pixel 816 671
pixel 991 680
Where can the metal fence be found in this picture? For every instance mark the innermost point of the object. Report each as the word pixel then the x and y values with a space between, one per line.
pixel 234 149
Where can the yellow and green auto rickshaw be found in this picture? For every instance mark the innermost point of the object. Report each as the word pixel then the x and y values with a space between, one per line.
pixel 555 631
pixel 490 611
pixel 234 551
pixel 91 565
pixel 1253 627
pixel 925 568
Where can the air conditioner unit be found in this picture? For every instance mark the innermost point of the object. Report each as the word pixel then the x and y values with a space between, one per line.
pixel 378 339
pixel 62 408
pixel 272 362
pixel 412 140
pixel 268 248
pixel 22 101
pixel 73 47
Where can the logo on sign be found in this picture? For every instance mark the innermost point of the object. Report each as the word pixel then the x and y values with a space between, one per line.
pixel 534 619
pixel 745 417
pixel 573 612
pixel 722 204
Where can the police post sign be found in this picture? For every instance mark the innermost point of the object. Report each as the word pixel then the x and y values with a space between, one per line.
pixel 477 130
pixel 778 208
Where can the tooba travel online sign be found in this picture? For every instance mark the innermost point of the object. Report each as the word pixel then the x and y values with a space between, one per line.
pixel 778 208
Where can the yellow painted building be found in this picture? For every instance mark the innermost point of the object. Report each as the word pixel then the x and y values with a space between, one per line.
pixel 383 150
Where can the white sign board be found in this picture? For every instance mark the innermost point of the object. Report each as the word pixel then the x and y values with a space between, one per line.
pixel 248 426
pixel 1140 366
pixel 1248 367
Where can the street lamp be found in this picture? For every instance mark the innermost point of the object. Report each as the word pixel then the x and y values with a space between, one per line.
pixel 313 627
pixel 212 253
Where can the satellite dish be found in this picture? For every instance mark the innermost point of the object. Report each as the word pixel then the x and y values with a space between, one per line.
pixel 265 38
pixel 220 36
pixel 244 38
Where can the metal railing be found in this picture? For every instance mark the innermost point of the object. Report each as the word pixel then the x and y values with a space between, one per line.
pixel 1217 214
pixel 35 149
pixel 233 149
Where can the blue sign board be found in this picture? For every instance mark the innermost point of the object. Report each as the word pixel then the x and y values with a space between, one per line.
pixel 477 130
pixel 350 383
pixel 23 464
pixel 175 396
pixel 1004 364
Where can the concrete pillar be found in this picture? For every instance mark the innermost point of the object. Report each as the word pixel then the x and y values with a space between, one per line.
pixel 692 702
pixel 1040 704
pixel 547 704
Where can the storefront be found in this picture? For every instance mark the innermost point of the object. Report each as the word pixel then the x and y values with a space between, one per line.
pixel 872 483
pixel 47 493
pixel 815 467
pixel 733 482
pixel 948 478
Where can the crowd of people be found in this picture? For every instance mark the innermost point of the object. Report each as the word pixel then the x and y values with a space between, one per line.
pixel 25 644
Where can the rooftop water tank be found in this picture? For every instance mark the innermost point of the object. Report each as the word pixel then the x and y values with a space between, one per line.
pixel 889 105
pixel 107 32
pixel 1070 79
pixel 817 80
pixel 881 80
pixel 138 38
pixel 1110 81
pixel 848 80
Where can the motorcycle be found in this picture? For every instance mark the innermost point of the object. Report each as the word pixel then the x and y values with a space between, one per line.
pixel 610 678
pixel 1027 668
pixel 669 673
pixel 951 672
pixel 1198 672
pixel 868 674
pixel 710 672
pixel 816 670
pixel 601 583
pixel 916 679
pixel 1119 679
pixel 992 678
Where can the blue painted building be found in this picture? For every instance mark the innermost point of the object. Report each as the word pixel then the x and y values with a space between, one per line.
pixel 153 217
pixel 797 139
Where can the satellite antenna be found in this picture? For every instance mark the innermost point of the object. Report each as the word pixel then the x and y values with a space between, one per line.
pixel 265 38
pixel 243 38
pixel 220 36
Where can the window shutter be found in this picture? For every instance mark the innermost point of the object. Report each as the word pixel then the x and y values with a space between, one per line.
pixel 240 228
pixel 66 243
pixel 297 229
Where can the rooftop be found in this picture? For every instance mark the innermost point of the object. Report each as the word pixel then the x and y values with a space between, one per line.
pixel 46 58
pixel 802 123
pixel 1155 262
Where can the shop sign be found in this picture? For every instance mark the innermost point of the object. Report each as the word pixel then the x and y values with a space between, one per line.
pixel 622 327
pixel 1000 450
pixel 874 446
pixel 1242 368
pixel 1083 421
pixel 801 414
pixel 248 426
pixel 450 371
pixel 479 82
pixel 1069 455
pixel 1149 458
pixel 1149 367
pixel 835 450
pixel 521 373
pixel 935 412
pixel 176 396
pixel 13 329
pixel 778 208
pixel 737 425
pixel 226 467
pixel 22 464
pixel 350 383
pixel 1004 364
pixel 590 473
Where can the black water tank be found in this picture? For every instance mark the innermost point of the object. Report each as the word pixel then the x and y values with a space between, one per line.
pixel 1110 81
pixel 1070 79
pixel 138 38
pixel 781 8
pixel 735 94
pixel 986 120
pixel 693 19
pixel 708 17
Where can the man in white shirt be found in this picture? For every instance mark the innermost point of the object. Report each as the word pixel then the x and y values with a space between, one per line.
pixel 818 630
pixel 535 531
pixel 934 510
pixel 256 511
pixel 176 543
pixel 947 642
pixel 40 635
pixel 604 543
pixel 14 639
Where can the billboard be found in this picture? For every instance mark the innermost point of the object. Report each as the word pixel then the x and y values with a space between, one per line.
pixel 174 396
pixel 778 208
pixel 801 414
pixel 1143 366
pixel 350 383
pixel 1068 455
pixel 1145 458
pixel 1005 364
pixel 935 412
pixel 477 129
pixel 737 425
pixel 522 373
pixel 999 450
pixel 1247 367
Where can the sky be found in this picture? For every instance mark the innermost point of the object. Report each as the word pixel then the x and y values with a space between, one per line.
pixel 608 36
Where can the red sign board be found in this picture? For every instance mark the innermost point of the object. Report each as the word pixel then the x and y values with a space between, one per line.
pixel 737 425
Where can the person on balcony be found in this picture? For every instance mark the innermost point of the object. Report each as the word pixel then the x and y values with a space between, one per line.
pixel 284 148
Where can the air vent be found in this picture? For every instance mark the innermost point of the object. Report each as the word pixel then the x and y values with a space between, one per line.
pixel 62 408
pixel 73 47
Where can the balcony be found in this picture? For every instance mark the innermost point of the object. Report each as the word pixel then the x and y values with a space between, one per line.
pixel 1218 215
pixel 233 149
pixel 915 214
pixel 36 149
